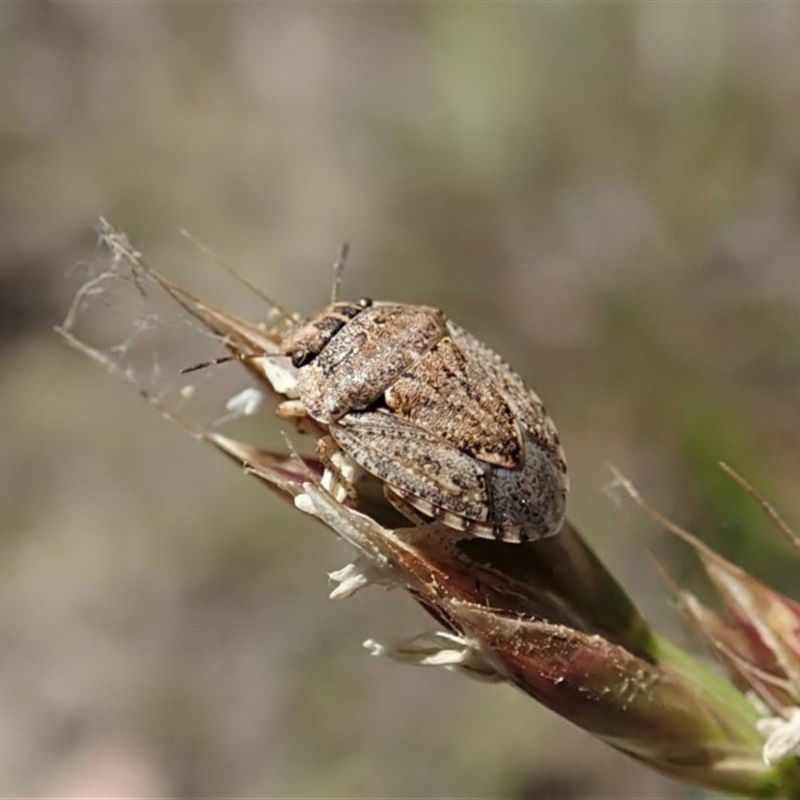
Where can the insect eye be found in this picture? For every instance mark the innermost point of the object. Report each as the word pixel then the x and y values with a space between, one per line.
pixel 365 302
pixel 302 356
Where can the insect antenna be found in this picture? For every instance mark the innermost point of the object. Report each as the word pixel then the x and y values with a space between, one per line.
pixel 225 359
pixel 338 269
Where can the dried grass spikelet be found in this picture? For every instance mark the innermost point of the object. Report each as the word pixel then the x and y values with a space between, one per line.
pixel 545 616
pixel 758 638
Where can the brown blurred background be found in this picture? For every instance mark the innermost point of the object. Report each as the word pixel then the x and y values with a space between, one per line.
pixel 609 194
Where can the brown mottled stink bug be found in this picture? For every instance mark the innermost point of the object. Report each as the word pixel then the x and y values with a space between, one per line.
pixel 441 420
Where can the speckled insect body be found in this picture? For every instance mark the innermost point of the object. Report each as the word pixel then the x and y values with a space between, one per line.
pixel 438 417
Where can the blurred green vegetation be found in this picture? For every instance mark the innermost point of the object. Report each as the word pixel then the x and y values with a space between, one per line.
pixel 607 193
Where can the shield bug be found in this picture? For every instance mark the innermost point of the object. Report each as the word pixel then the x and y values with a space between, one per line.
pixel 441 420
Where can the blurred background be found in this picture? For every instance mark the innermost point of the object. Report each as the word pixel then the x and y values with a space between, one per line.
pixel 608 194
